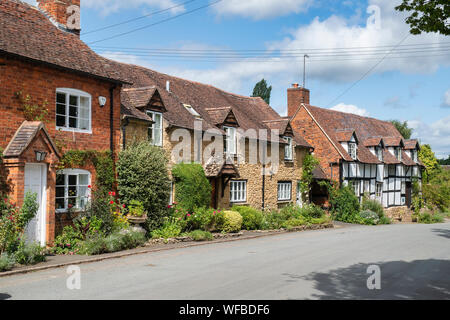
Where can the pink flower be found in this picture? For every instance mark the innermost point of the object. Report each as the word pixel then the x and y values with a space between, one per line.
pixel 123 206
pixel 169 207
pixel 188 215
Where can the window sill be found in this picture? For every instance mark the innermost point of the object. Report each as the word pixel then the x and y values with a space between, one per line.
pixel 243 203
pixel 73 130
pixel 284 201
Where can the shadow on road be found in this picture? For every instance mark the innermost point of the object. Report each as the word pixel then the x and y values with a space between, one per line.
pixel 442 232
pixel 4 296
pixel 420 279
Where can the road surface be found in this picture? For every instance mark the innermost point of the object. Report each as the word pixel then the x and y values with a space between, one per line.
pixel 414 262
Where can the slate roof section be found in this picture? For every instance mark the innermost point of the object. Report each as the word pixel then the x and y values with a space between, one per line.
pixel 23 137
pixel 26 33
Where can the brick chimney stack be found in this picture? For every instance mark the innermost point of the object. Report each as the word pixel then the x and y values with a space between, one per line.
pixel 296 96
pixel 65 12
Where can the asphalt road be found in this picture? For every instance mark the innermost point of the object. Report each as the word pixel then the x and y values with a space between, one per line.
pixel 414 262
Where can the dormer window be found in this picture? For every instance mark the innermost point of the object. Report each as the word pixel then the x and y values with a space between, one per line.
pixel 288 154
pixel 230 140
pixel 155 131
pixel 414 155
pixel 352 150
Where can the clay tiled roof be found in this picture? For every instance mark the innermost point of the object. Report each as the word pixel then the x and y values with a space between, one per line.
pixel 369 132
pixel 411 144
pixel 23 138
pixel 134 113
pixel 211 103
pixel 389 158
pixel 318 174
pixel 407 161
pixel 216 167
pixel 137 97
pixel 26 33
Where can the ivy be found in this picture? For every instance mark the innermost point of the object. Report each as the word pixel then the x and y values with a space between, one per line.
pixel 101 160
pixel 309 164
pixel 33 111
pixel 4 185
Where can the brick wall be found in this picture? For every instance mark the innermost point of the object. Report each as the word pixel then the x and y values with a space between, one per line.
pixel 40 83
pixel 324 150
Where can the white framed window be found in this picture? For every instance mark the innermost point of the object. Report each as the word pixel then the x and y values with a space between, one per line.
pixel 352 150
pixel 230 141
pixel 366 186
pixel 379 190
pixel 155 131
pixel 414 155
pixel 284 191
pixel 403 187
pixel 72 189
pixel 288 154
pixel 238 191
pixel 356 184
pixel 73 110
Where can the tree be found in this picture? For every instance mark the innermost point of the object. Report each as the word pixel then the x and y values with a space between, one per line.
pixel 445 162
pixel 427 157
pixel 261 90
pixel 427 15
pixel 403 128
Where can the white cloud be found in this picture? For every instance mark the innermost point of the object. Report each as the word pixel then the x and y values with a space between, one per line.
pixel 437 135
pixel 32 2
pixel 260 9
pixel 446 102
pixel 110 6
pixel 350 108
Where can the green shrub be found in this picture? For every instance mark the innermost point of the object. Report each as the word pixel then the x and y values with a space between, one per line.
pixel 294 222
pixel 99 209
pixel 28 254
pixel 136 208
pixel 68 241
pixel 170 229
pixel 275 220
pixel 127 239
pixel 201 219
pixel 369 217
pixel 7 262
pixel 200 235
pixel 321 220
pixel 312 212
pixel 252 219
pixel 92 246
pixel 143 176
pixel 229 221
pixel 372 205
pixel 193 189
pixel 429 218
pixel 384 220
pixel 345 205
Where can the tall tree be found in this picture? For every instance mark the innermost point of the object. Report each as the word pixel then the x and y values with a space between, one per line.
pixel 403 128
pixel 428 158
pixel 427 15
pixel 262 90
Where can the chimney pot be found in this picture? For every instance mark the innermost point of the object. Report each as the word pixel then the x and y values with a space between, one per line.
pixel 295 85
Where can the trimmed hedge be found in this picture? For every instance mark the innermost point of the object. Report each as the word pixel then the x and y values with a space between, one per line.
pixel 252 219
pixel 229 222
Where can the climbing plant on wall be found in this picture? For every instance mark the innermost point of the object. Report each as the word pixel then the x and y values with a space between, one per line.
pixel 4 185
pixel 33 111
pixel 309 164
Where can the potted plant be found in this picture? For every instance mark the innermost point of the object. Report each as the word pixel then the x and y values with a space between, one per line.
pixel 136 212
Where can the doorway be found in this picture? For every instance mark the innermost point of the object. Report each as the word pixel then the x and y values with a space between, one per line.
pixel 36 182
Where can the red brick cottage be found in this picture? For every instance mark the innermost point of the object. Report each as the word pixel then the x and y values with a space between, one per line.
pixel 42 56
pixel 366 153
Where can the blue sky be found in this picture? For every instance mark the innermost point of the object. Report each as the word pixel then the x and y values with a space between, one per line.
pixel 413 85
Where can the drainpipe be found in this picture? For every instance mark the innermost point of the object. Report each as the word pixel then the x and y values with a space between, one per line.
pixel 263 187
pixel 111 120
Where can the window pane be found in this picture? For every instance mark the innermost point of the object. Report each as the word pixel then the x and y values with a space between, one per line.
pixel 72 201
pixel 72 191
pixel 61 121
pixel 84 102
pixel 72 180
pixel 61 109
pixel 84 124
pixel 60 192
pixel 73 100
pixel 73 122
pixel 83 179
pixel 61 98
pixel 60 180
pixel 60 204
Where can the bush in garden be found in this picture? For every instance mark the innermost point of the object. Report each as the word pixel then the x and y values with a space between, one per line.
pixel 201 219
pixel 294 222
pixel 345 205
pixel 67 242
pixel 275 220
pixel 13 221
pixel 193 189
pixel 312 212
pixel 143 176
pixel 369 217
pixel 229 221
pixel 27 254
pixel 372 205
pixel 200 235
pixel 429 218
pixel 100 209
pixel 170 229
pixel 92 246
pixel 384 220
pixel 252 219
pixel 7 262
